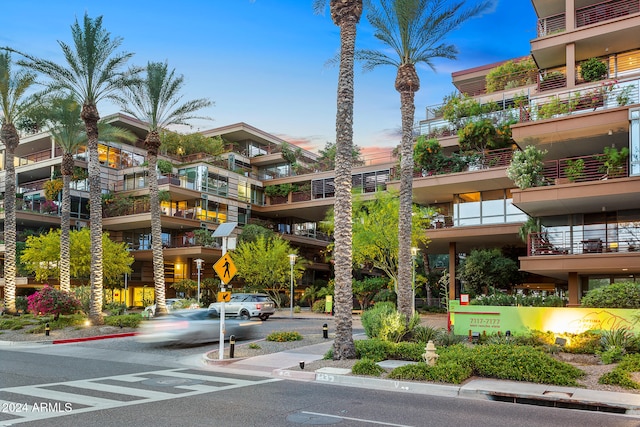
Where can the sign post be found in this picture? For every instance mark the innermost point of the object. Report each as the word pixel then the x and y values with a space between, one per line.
pixel 225 266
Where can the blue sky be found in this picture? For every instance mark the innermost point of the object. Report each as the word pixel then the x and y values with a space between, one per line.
pixel 263 61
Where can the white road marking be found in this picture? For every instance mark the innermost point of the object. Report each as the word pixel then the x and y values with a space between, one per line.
pixel 45 408
pixel 362 420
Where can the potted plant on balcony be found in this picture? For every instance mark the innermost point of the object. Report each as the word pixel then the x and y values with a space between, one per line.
pixel 624 96
pixel 614 161
pixel 526 167
pixel 574 169
pixel 593 69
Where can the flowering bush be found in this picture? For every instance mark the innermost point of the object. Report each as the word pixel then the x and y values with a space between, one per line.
pixel 52 301
pixel 49 206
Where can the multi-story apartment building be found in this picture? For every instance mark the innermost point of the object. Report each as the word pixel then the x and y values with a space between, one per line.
pixel 589 216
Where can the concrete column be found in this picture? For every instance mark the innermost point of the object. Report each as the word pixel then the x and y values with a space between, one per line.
pixel 570 14
pixel 452 270
pixel 570 54
pixel 574 290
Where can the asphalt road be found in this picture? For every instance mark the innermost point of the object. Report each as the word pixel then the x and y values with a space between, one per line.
pixel 122 382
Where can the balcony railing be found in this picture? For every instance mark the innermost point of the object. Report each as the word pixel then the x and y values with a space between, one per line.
pixel 602 95
pixel 588 15
pixel 551 25
pixel 561 172
pixel 606 10
pixel 586 239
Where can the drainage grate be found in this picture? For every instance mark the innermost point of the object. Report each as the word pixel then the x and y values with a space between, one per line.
pixel 558 404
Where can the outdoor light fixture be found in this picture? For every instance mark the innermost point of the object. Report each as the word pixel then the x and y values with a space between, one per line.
pixel 292 262
pixel 414 254
pixel 199 262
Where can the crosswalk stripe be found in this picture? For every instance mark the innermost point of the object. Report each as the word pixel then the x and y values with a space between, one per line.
pixel 34 391
pixel 146 394
pixel 90 403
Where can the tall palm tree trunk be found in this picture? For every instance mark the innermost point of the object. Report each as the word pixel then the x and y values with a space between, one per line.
pixel 11 139
pixel 343 345
pixel 152 143
pixel 407 84
pixel 90 117
pixel 65 222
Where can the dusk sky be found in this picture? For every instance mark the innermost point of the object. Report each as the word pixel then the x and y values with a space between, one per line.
pixel 263 62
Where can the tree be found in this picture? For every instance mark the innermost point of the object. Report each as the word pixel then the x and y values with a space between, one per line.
pixel 67 131
pixel 375 232
pixel 487 268
pixel 184 145
pixel 13 89
pixel 413 30
pixel 327 159
pixel 264 265
pixel 251 232
pixel 346 15
pixel 94 71
pixel 156 100
pixel 41 256
pixel 365 290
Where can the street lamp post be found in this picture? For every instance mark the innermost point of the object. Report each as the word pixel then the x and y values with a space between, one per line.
pixel 292 261
pixel 199 263
pixel 414 254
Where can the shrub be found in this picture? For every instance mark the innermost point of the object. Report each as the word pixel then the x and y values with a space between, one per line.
pixel 115 308
pixel 522 363
pixel 284 336
pixel 374 349
pixel 394 328
pixel 372 318
pixel 318 306
pixel 526 168
pixel 60 323
pixel 22 304
pixel 611 355
pixel 616 295
pixel 621 374
pixel 620 337
pixel 423 334
pixel 367 367
pixel 587 342
pixel 131 320
pixel 445 372
pixel 52 301
pixel 593 69
pixel 407 351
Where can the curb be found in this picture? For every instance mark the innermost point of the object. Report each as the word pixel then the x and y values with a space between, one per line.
pixel 94 338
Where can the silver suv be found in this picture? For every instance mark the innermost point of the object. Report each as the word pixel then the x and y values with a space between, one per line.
pixel 246 306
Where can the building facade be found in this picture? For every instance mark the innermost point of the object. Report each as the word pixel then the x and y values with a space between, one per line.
pixel 586 207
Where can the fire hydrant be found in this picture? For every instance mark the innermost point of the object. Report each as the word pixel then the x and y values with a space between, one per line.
pixel 430 355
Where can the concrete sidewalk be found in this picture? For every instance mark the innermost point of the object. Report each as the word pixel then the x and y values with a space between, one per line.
pixel 278 365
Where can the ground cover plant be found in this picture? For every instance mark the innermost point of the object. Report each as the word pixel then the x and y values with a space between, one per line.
pixel 527 356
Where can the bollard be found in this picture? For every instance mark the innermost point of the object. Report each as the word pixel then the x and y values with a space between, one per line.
pixel 47 329
pixel 325 331
pixel 232 346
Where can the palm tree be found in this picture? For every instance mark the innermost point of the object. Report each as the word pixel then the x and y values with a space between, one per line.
pixel 13 87
pixel 68 132
pixel 156 100
pixel 93 72
pixel 412 32
pixel 346 15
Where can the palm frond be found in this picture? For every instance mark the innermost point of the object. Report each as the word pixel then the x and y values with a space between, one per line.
pixel 156 99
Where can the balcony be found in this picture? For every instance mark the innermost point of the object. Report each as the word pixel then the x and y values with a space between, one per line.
pixel 586 239
pixel 588 15
pixel 605 11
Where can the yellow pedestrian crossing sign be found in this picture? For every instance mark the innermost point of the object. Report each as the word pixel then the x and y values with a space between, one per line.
pixel 225 268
